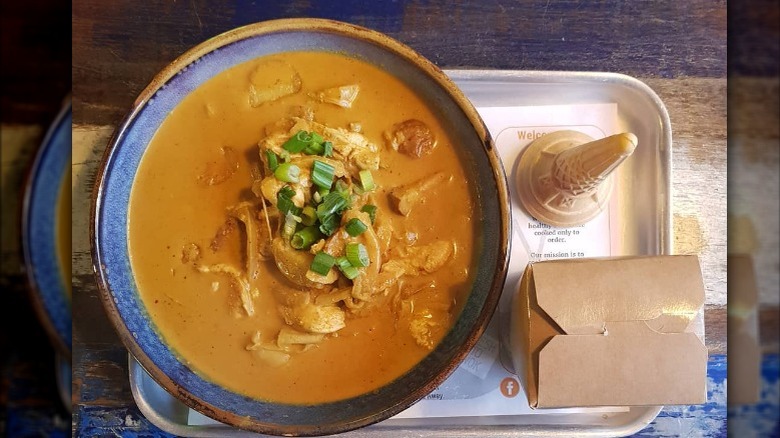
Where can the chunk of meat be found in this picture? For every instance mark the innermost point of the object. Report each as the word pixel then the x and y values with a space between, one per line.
pixel 315 319
pixel 245 212
pixel 272 80
pixel 223 232
pixel 422 326
pixel 404 198
pixel 411 137
pixel 414 261
pixel 342 96
pixel 246 291
pixel 217 172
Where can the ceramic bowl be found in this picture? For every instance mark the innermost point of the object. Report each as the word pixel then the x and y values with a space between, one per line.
pixel 47 272
pixel 109 225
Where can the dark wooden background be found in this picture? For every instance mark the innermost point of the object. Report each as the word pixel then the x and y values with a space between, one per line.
pixel 35 60
pixel 679 48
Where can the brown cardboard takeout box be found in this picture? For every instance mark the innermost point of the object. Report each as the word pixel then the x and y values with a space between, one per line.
pixel 610 331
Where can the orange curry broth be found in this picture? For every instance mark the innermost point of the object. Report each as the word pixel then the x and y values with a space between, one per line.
pixel 170 209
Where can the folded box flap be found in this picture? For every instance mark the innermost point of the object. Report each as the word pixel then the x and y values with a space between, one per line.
pixel 631 365
pixel 583 295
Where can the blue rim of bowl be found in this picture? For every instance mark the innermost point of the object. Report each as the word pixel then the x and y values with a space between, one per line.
pixel 108 235
pixel 39 231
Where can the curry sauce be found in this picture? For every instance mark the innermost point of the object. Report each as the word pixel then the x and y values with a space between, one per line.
pixel 211 155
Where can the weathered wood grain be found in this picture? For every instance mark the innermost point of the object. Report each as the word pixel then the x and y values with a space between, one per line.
pixel 120 46
pixel 36 54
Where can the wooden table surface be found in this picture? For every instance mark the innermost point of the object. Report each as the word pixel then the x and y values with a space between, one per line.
pixel 677 48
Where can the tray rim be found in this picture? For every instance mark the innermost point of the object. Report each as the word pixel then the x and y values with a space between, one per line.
pixel 381 430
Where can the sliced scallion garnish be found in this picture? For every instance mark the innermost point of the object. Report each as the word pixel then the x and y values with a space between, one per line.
pixel 298 142
pixel 322 263
pixel 346 268
pixel 327 149
pixel 329 224
pixel 331 204
pixel 366 180
pixel 355 227
pixel 273 159
pixel 284 200
pixel 357 254
pixel 305 237
pixel 287 172
pixel 371 210
pixel 314 149
pixel 289 225
pixel 322 174
pixel 309 215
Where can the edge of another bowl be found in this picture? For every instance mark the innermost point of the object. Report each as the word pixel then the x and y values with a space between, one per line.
pixel 47 294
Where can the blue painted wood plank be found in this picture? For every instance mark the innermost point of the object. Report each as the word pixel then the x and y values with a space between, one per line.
pixel 763 418
pixel 120 421
pixel 707 420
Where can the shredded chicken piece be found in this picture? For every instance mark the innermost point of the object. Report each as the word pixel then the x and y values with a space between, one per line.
pixel 246 291
pixel 288 337
pixel 269 353
pixel 244 212
pixel 421 327
pixel 222 234
pixel 414 261
pixel 404 198
pixel 342 96
pixel 268 87
pixel 314 318
pixel 217 172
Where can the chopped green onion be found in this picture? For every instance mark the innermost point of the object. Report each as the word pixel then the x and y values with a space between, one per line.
pixel 317 197
pixel 316 138
pixel 273 159
pixel 285 156
pixel 309 215
pixel 298 142
pixel 286 192
pixel 327 149
pixel 314 149
pixel 366 180
pixel 355 227
pixel 329 224
pixel 371 210
pixel 342 187
pixel 305 237
pixel 322 263
pixel 284 200
pixel 342 262
pixel 350 272
pixel 323 192
pixel 287 172
pixel 346 268
pixel 357 254
pixel 289 225
pixel 331 204
pixel 322 174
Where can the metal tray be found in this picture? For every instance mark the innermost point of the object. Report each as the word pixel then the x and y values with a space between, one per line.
pixel 646 229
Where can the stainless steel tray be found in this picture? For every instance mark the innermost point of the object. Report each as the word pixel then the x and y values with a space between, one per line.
pixel 643 200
